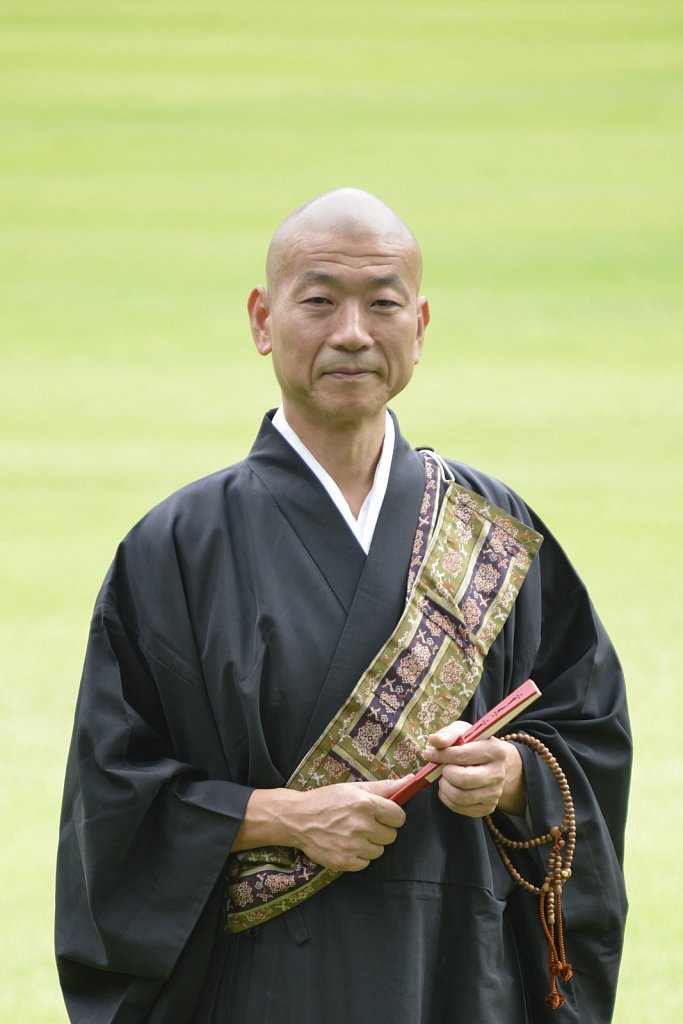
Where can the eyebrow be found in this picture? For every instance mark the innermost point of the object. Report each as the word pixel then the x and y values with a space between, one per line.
pixel 381 281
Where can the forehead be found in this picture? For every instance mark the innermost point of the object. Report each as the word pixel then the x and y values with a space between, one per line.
pixel 358 257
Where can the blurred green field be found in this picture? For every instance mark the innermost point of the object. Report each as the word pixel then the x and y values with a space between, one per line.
pixel 147 151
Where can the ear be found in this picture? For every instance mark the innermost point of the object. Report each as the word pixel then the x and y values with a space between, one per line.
pixel 259 317
pixel 423 318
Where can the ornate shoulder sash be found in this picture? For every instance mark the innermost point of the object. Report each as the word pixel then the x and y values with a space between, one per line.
pixel 466 571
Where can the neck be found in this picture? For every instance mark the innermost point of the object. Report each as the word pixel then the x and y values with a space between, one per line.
pixel 348 453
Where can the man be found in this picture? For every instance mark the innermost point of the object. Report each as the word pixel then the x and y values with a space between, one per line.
pixel 253 655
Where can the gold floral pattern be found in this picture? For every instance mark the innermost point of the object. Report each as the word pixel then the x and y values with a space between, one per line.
pixel 429 709
pixel 390 701
pixel 406 753
pixel 451 673
pixel 336 770
pixel 452 562
pixel 471 612
pixel 412 664
pixel 366 738
pixel 486 578
pixel 451 713
pixel 240 893
pixel 279 882
pixel 498 539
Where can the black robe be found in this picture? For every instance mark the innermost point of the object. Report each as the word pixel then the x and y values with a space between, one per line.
pixel 235 619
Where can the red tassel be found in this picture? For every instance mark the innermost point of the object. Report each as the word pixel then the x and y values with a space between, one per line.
pixel 557 963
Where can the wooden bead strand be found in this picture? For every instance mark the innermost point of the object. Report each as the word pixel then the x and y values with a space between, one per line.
pixel 558 871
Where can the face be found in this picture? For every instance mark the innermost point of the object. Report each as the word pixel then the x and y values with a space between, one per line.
pixel 344 325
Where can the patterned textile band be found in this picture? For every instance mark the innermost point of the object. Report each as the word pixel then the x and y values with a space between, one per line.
pixel 465 574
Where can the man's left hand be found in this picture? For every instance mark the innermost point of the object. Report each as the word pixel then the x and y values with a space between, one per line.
pixel 478 777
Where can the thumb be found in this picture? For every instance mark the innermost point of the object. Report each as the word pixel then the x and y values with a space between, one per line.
pixel 383 787
pixel 446 737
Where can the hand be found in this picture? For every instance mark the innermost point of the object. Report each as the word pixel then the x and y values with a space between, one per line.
pixel 478 777
pixel 342 826
pixel 346 826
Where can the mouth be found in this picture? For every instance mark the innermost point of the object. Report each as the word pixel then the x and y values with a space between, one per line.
pixel 350 373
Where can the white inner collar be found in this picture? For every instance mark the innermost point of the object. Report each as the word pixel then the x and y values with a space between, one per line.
pixel 363 527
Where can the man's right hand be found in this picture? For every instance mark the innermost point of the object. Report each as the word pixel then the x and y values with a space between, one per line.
pixel 342 826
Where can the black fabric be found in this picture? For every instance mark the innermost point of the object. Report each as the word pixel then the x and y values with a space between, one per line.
pixel 235 619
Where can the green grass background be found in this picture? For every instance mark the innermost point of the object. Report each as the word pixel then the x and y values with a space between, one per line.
pixel 148 150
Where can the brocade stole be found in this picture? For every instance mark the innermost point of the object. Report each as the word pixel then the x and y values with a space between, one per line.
pixel 467 567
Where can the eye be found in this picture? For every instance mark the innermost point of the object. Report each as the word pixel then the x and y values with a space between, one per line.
pixel 317 300
pixel 385 303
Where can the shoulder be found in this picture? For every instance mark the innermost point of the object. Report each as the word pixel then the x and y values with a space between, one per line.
pixel 192 508
pixel 492 489
pixel 559 575
pixel 179 536
pixel 225 498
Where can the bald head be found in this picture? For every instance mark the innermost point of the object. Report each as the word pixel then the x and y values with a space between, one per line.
pixel 347 213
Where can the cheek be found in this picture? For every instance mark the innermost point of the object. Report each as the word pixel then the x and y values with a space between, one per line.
pixel 409 357
pixel 282 366
pixel 293 363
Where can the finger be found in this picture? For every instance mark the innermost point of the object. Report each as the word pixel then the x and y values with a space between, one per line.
pixel 382 835
pixel 472 794
pixel 479 810
pixel 382 787
pixel 471 803
pixel 357 864
pixel 386 812
pixel 446 737
pixel 474 777
pixel 366 849
pixel 479 752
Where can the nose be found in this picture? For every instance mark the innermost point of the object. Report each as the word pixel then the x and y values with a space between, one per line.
pixel 350 329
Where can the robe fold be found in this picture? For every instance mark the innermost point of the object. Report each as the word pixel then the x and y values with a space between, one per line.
pixel 233 623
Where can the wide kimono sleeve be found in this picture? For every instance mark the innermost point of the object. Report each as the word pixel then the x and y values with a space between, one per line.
pixel 582 718
pixel 149 811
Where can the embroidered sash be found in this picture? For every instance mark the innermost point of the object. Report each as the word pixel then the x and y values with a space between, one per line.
pixel 465 574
